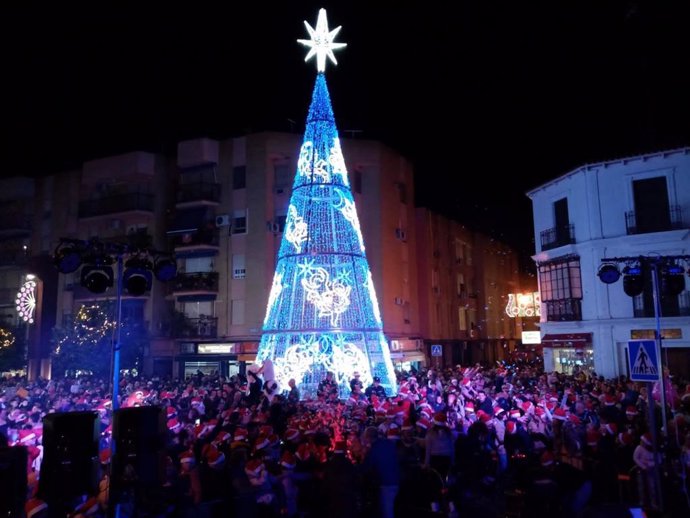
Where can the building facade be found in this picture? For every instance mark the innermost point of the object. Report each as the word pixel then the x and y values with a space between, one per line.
pixel 465 279
pixel 220 206
pixel 636 207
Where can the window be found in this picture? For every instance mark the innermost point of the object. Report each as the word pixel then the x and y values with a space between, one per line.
pixel 279 222
pixel 198 264
pixel 281 178
pixel 561 288
pixel 238 312
pixel 239 221
pixel 197 308
pixel 239 177
pixel 357 181
pixel 238 268
pixel 460 285
pixel 462 319
pixel 401 234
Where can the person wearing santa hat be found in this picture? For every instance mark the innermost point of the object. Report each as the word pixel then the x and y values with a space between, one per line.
pixel 644 459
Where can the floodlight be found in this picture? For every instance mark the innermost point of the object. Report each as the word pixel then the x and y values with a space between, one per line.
pixel 609 273
pixel 97 279
pixel 633 280
pixel 165 268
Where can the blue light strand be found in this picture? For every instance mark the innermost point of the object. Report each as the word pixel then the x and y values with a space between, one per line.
pixel 322 313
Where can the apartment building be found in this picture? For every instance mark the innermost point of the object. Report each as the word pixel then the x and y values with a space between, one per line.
pixel 465 279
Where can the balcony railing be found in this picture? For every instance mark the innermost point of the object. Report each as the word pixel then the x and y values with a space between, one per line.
pixel 135 201
pixel 14 223
pixel 563 310
pixel 201 191
pixel 206 237
pixel 194 282
pixel 557 236
pixel 13 257
pixel 202 327
pixel 654 220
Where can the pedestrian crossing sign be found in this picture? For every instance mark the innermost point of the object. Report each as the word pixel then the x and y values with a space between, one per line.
pixel 644 365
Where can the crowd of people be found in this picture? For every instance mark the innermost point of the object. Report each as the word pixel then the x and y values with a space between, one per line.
pixel 478 441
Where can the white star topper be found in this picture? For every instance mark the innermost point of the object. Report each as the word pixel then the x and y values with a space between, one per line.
pixel 321 42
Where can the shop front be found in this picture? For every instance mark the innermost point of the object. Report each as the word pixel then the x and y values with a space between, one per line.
pixel 568 353
pixel 224 359
pixel 407 354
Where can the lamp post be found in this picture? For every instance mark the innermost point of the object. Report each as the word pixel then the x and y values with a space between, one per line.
pixel 95 258
pixel 661 268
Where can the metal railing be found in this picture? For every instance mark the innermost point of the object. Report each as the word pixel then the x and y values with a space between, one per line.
pixel 557 236
pixel 199 191
pixel 654 220
pixel 563 310
pixel 116 203
pixel 197 281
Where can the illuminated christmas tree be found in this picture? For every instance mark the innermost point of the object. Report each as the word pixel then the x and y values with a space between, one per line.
pixel 322 312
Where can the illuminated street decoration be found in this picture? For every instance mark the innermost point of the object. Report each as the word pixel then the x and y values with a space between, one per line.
pixel 295 229
pixel 322 313
pixel 321 43
pixel 523 305
pixel 26 301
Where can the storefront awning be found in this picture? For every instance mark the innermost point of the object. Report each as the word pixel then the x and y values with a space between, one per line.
pixel 188 221
pixel 567 340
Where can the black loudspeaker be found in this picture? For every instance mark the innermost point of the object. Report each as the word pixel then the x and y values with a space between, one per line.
pixel 139 456
pixel 13 488
pixel 70 458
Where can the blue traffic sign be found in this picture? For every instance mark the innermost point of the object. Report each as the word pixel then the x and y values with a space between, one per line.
pixel 642 360
pixel 436 350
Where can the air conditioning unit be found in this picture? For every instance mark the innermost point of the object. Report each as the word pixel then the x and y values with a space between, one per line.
pixel 223 220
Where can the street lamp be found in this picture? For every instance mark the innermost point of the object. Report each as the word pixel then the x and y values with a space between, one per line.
pixel 667 278
pixel 135 275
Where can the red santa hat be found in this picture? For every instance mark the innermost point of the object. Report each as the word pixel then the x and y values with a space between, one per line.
pixel 187 457
pixel 254 467
pixel 560 414
pixel 469 406
pixel 514 413
pixel 214 458
pixel 34 507
pixel 291 434
pixel 440 419
pixel 174 425
pixel 104 455
pixel 609 400
pixel 547 458
pixel 261 442
pixel 240 434
pixel 483 416
pixel 423 423
pixel 630 410
pixel 611 428
pixel 592 438
pixel 171 412
pixel 303 452
pixel 466 382
pixel 393 433
pixel 511 426
pixel 646 438
pixel 288 460
pixel 222 437
pixel 625 438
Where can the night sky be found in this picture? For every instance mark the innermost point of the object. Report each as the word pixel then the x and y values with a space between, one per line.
pixel 469 91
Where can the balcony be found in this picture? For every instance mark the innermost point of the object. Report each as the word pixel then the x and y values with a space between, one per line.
pixel 199 192
pixel 563 310
pixel 207 238
pixel 202 327
pixel 14 224
pixel 557 236
pixel 115 204
pixel 654 220
pixel 198 283
pixel 13 256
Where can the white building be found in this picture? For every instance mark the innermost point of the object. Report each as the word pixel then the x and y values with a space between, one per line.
pixel 632 207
